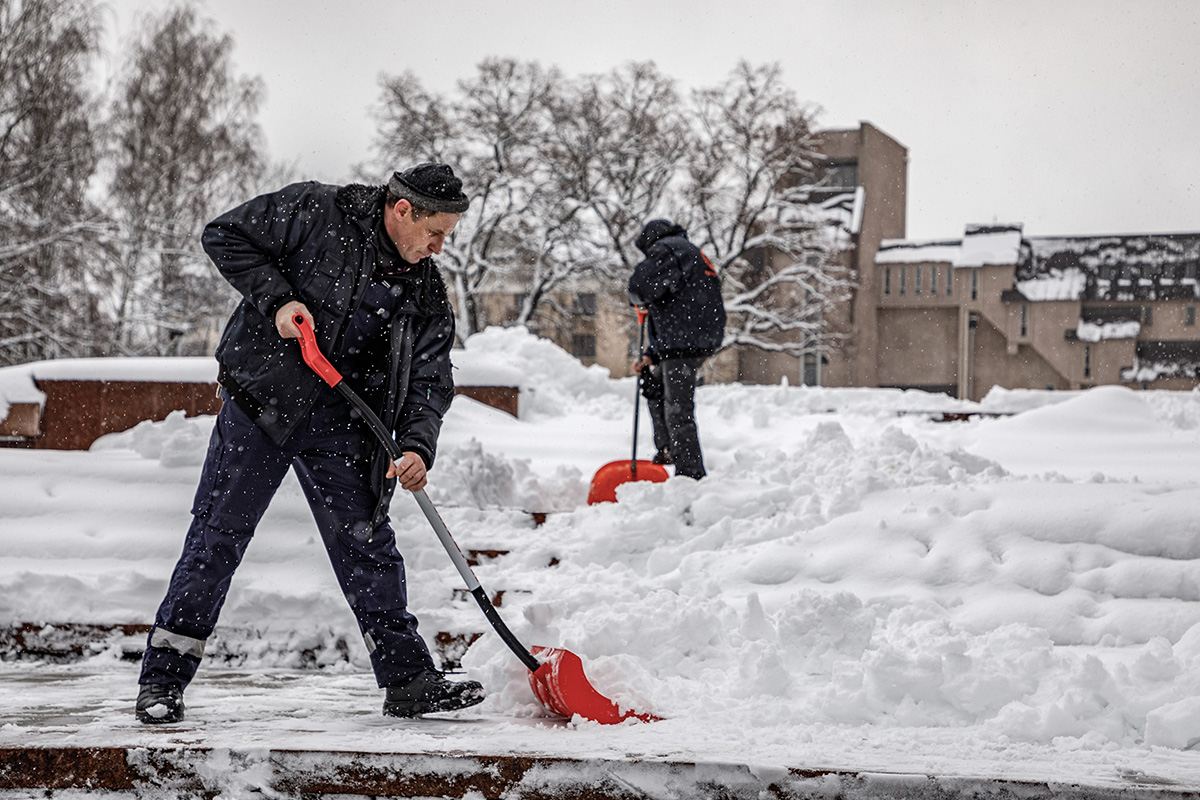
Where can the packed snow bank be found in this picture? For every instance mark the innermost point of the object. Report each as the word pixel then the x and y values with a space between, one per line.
pixel 1023 580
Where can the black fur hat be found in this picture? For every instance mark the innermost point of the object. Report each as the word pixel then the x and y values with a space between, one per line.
pixel 433 187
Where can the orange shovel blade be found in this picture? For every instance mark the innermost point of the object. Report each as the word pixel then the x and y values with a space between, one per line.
pixel 560 685
pixel 614 473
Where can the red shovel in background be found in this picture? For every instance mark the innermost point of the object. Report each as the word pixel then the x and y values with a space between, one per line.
pixel 614 473
pixel 558 680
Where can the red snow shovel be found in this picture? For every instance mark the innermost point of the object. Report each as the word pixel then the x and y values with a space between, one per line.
pixel 614 473
pixel 558 680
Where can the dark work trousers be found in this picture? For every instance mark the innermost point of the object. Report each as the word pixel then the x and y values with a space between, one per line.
pixel 331 454
pixel 670 390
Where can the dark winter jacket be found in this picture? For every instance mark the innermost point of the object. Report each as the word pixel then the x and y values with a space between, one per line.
pixel 682 292
pixel 320 244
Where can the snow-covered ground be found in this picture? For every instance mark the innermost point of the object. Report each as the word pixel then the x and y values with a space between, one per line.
pixel 855 585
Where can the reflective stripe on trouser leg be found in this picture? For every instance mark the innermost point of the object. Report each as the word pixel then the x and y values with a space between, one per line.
pixel 170 659
pixel 185 645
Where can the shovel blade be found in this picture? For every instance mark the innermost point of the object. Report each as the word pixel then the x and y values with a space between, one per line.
pixel 614 473
pixel 560 685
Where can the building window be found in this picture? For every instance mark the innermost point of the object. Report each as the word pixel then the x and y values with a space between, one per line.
pixel 1024 319
pixel 1087 361
pixel 842 176
pixel 903 279
pixel 1147 316
pixel 917 282
pixel 949 281
pixel 518 303
pixel 1189 315
pixel 811 376
pixel 583 345
pixel 887 281
pixel 974 284
pixel 585 305
pixel 933 280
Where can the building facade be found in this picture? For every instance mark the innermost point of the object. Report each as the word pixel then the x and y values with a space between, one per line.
pixel 996 308
pixel 959 316
pixel 875 166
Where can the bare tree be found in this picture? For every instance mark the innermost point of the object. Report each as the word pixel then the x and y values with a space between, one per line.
pixel 493 134
pixel 49 235
pixel 565 173
pixel 747 202
pixel 186 144
pixel 615 146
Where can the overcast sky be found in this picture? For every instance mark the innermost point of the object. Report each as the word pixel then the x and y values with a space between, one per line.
pixel 1070 116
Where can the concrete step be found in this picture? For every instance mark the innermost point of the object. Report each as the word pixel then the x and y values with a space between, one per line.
pixel 202 772
pixel 63 643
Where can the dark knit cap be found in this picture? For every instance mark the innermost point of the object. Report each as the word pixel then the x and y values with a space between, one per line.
pixel 433 187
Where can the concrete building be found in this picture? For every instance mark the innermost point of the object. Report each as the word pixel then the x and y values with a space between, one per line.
pixel 959 316
pixel 996 308
pixel 874 166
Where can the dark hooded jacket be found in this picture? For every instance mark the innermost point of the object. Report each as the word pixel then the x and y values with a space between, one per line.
pixel 681 290
pixel 320 244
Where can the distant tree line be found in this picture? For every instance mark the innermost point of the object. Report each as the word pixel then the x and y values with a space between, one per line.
pixel 104 189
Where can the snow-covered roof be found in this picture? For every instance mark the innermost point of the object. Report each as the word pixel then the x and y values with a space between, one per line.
pixel 981 245
pixel 910 251
pixel 850 204
pixel 17 383
pixel 985 245
pixel 1096 331
pixel 1149 266
pixel 472 367
pixel 839 212
pixel 1159 359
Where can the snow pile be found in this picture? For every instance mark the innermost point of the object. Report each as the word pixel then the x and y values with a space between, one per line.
pixel 552 382
pixel 852 569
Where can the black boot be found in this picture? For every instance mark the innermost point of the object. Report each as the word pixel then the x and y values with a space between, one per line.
pixel 429 692
pixel 157 704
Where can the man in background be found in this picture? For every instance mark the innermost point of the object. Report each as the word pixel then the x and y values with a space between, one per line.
pixel 681 292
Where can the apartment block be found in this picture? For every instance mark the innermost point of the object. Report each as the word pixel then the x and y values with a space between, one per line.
pixel 996 308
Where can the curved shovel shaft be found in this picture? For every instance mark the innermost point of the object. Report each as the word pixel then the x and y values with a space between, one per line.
pixel 468 576
pixel 559 682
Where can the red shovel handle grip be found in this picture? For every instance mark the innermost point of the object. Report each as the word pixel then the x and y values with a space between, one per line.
pixel 312 353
